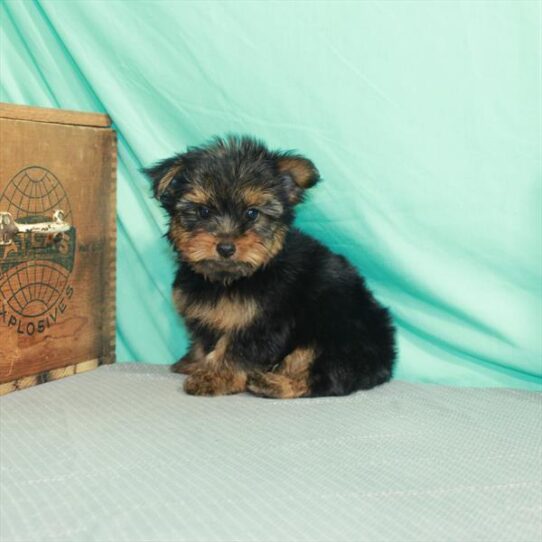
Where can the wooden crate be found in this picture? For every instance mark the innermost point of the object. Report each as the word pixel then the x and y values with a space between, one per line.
pixel 57 291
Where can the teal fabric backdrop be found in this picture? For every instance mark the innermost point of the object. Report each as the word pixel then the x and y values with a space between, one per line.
pixel 423 117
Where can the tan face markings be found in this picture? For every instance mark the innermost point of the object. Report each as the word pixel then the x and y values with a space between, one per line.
pixel 254 197
pixel 250 247
pixel 197 195
pixel 257 251
pixel 291 379
pixel 194 246
pixel 200 246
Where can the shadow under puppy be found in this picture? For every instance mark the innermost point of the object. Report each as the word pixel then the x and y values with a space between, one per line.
pixel 269 309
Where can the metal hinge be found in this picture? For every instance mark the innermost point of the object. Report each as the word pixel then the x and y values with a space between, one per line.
pixel 9 228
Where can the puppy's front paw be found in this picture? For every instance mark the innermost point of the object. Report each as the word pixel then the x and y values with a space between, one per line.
pixel 201 383
pixel 215 383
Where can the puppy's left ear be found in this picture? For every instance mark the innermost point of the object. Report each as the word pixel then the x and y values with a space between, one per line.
pixel 165 175
pixel 298 174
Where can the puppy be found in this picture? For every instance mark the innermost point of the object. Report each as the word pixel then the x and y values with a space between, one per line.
pixel 269 309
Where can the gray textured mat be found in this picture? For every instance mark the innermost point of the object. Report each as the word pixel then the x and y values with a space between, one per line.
pixel 120 454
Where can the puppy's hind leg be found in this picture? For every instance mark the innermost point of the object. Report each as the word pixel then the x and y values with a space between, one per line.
pixel 291 379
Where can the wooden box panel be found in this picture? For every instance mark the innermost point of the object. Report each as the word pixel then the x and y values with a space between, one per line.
pixel 57 297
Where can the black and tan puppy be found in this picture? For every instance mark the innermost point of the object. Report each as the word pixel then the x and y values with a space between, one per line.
pixel 269 308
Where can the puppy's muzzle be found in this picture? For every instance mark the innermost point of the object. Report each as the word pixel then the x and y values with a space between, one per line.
pixel 226 249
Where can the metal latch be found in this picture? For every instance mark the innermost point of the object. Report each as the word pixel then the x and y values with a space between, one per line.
pixel 9 228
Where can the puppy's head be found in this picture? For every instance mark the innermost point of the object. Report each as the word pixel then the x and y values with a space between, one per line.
pixel 230 203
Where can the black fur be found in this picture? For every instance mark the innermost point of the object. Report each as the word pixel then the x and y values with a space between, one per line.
pixel 308 295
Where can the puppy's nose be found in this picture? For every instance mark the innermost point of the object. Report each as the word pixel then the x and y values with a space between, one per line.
pixel 225 249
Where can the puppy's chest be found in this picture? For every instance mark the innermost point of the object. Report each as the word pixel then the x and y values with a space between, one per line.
pixel 228 313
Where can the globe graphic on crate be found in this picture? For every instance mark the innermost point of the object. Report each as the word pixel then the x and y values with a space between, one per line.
pixel 33 273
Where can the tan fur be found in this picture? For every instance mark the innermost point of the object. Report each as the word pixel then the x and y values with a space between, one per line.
pixel 253 197
pixel 216 375
pixel 200 246
pixel 216 359
pixel 179 300
pixel 297 362
pixel 278 241
pixel 252 249
pixel 291 379
pixel 228 314
pixel 191 361
pixel 196 359
pixel 197 195
pixel 220 382
pixel 194 246
pixel 165 181
pixel 301 170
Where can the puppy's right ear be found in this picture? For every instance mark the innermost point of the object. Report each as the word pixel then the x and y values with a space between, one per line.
pixel 166 176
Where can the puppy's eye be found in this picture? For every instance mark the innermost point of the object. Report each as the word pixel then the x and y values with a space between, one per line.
pixel 203 211
pixel 252 214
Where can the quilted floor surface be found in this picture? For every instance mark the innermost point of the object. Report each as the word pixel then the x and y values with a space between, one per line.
pixel 121 454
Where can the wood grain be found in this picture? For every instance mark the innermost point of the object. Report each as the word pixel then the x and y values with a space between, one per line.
pixel 48 376
pixel 110 254
pixel 83 159
pixel 57 116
